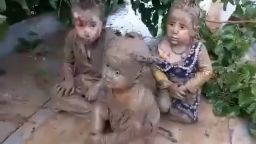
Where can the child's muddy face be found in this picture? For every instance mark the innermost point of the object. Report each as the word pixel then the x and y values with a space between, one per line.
pixel 113 78
pixel 179 27
pixel 88 25
pixel 118 74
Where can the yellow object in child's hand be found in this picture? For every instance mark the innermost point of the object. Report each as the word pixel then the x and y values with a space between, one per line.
pixel 162 79
pixel 160 76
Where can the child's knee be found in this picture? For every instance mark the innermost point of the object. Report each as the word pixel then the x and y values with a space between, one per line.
pixel 164 102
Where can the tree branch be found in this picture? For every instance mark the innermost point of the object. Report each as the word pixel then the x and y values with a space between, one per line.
pixel 233 22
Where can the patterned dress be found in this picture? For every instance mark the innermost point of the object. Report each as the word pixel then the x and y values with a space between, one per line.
pixel 180 73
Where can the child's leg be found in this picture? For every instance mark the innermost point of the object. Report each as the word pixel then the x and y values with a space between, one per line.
pixel 163 100
pixel 73 103
pixel 178 116
pixel 98 121
pixel 184 112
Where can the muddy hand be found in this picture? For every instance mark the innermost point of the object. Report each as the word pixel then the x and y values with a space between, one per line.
pixel 94 91
pixel 182 90
pixel 176 92
pixel 65 88
pixel 91 94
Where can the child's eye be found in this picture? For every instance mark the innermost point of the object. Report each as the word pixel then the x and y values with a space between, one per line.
pixel 92 24
pixel 107 65
pixel 171 24
pixel 117 72
pixel 182 27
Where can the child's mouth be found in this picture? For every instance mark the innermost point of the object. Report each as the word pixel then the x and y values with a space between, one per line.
pixel 173 38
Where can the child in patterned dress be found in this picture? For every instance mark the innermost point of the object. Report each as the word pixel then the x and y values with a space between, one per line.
pixel 181 64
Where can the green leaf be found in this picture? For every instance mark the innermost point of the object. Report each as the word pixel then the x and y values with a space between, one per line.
pixel 239 11
pixel 211 89
pixel 23 4
pixel 250 11
pixel 245 97
pixel 236 87
pixel 222 108
pixel 234 111
pixel 254 117
pixel 253 90
pixel 3 29
pixel 54 3
pixel 2 5
pixel 251 108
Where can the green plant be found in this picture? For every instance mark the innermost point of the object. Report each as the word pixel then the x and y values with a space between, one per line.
pixel 233 88
pixel 153 14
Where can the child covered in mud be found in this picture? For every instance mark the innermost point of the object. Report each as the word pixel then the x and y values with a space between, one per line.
pixel 83 57
pixel 129 106
pixel 181 64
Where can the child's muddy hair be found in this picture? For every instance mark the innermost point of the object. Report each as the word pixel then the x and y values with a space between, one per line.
pixel 191 7
pixel 95 5
pixel 123 49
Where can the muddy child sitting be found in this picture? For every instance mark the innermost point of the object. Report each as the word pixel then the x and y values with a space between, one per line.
pixel 181 64
pixel 129 106
pixel 83 57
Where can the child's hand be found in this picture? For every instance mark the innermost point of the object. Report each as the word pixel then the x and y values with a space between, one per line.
pixel 65 88
pixel 176 92
pixel 93 92
pixel 183 90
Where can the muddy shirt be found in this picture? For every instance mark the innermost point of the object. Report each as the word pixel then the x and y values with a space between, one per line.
pixel 86 59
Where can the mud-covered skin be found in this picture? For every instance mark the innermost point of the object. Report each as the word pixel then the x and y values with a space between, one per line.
pixel 129 106
pixel 81 72
pixel 129 122
pixel 83 58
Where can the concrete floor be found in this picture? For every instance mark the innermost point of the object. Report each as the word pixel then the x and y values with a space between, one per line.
pixel 26 116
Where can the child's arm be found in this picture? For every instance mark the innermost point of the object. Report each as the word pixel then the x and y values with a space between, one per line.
pixel 204 73
pixel 66 87
pixel 165 83
pixel 68 69
pixel 161 78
